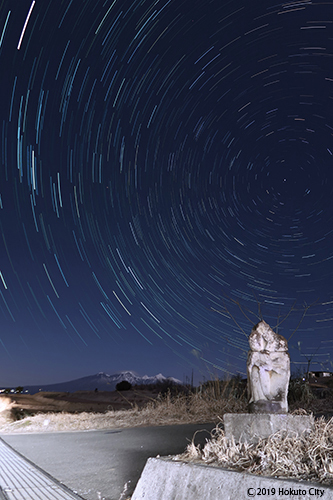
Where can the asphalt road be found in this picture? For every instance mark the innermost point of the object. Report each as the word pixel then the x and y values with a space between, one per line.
pixel 104 464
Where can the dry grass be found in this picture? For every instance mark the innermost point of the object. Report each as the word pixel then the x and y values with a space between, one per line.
pixel 207 405
pixel 197 407
pixel 309 457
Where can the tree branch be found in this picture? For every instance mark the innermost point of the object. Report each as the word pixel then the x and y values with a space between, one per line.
pixel 284 319
pixel 303 316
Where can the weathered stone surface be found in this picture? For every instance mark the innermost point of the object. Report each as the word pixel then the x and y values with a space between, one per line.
pixel 244 427
pixel 165 479
pixel 268 371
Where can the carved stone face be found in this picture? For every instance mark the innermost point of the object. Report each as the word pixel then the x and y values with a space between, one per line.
pixel 263 338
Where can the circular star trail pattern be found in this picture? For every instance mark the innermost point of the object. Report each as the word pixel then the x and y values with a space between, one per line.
pixel 165 167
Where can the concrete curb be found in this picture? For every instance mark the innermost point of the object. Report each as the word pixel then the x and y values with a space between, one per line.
pixel 165 479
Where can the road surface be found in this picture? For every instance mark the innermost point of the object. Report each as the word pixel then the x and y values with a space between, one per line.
pixel 98 464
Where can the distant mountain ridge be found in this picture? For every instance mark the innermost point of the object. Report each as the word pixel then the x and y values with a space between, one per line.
pixel 101 381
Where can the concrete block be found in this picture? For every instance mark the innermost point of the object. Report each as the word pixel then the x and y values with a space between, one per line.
pixel 250 427
pixel 165 479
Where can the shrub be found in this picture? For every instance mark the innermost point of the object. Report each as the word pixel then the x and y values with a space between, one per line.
pixel 124 385
pixel 299 391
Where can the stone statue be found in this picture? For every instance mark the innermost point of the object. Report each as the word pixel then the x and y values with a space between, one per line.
pixel 268 371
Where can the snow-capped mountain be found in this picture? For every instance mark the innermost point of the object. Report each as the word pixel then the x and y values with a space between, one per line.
pixel 102 381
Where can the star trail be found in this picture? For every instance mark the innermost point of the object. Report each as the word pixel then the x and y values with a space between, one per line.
pixel 166 177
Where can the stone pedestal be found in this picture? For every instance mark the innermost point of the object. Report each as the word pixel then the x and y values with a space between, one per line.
pixel 264 406
pixel 247 427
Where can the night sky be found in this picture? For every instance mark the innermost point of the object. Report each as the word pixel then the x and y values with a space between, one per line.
pixel 166 166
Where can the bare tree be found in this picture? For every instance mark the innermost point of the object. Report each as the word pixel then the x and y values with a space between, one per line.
pixel 259 316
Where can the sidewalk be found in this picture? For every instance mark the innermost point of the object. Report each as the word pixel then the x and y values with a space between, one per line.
pixel 20 479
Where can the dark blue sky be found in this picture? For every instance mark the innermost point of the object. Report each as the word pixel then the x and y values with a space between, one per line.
pixel 160 161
